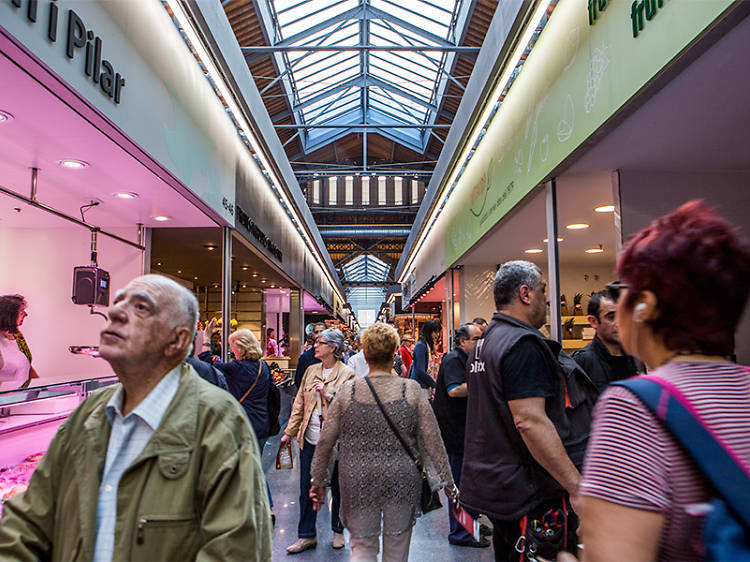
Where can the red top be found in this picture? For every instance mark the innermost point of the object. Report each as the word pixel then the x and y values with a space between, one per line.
pixel 406 356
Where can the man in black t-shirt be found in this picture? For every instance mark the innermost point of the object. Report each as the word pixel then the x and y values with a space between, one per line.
pixel 604 359
pixel 516 461
pixel 450 411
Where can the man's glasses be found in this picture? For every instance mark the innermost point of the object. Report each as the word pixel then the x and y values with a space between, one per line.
pixel 614 289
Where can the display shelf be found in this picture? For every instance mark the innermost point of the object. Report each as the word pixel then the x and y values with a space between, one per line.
pixel 575 344
pixel 577 320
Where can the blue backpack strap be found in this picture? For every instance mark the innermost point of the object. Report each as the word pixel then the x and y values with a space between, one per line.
pixel 725 471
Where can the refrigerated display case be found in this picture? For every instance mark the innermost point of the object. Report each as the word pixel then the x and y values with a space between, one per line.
pixel 29 418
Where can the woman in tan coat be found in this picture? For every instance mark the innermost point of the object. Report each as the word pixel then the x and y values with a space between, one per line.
pixel 317 389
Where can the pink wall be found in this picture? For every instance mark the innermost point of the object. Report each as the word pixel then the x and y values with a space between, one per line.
pixel 38 263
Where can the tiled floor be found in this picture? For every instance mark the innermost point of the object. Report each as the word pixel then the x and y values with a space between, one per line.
pixel 429 539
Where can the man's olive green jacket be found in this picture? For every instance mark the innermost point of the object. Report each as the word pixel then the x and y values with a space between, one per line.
pixel 195 492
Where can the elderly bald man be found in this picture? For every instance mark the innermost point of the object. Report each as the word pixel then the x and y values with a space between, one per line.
pixel 163 466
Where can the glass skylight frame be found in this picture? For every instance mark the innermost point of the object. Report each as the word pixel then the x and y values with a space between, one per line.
pixel 400 88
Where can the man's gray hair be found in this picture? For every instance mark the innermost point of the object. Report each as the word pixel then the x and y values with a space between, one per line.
pixel 336 339
pixel 184 301
pixel 463 332
pixel 509 279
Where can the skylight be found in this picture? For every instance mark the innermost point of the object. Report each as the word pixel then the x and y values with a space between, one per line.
pixel 360 82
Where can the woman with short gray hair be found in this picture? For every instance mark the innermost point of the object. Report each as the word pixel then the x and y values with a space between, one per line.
pixel 316 391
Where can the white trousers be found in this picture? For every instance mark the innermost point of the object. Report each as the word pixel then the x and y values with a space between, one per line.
pixel 395 548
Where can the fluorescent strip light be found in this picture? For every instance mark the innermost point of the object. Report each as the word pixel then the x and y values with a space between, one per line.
pixel 218 80
pixel 489 107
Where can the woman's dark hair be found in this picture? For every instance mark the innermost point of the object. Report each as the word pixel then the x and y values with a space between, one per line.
pixel 10 307
pixel 691 255
pixel 269 331
pixel 428 332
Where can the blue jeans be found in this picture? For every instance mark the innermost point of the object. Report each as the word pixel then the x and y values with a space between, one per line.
pixel 458 534
pixel 261 445
pixel 307 515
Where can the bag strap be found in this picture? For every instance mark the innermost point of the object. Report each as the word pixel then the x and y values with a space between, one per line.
pixel 252 386
pixel 723 468
pixel 395 430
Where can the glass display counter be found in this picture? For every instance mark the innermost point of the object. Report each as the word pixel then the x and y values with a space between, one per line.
pixel 29 418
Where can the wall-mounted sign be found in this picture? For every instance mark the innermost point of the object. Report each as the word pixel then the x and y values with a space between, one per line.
pixel 257 233
pixel 80 42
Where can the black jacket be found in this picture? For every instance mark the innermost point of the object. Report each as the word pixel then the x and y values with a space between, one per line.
pixel 305 360
pixel 420 364
pixel 604 368
pixel 500 477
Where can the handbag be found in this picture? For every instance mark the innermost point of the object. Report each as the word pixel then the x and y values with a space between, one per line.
pixel 429 500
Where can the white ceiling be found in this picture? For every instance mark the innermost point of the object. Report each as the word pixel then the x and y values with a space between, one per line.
pixel 45 130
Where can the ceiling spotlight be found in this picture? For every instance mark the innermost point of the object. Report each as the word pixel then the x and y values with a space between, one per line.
pixel 577 226
pixel 255 275
pixel 158 263
pixel 244 285
pixel 244 268
pixel 605 209
pixel 273 286
pixel 210 247
pixel 559 239
pixel 195 277
pixel 534 251
pixel 598 250
pixel 262 280
pixel 5 117
pixel 160 218
pixel 179 271
pixel 71 164
pixel 125 195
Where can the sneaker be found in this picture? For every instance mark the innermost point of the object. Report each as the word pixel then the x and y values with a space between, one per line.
pixel 338 541
pixel 302 545
pixel 481 543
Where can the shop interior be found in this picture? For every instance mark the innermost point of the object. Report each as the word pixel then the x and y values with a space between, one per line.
pixel 81 173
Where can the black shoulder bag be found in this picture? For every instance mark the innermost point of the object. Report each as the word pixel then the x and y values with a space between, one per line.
pixel 429 500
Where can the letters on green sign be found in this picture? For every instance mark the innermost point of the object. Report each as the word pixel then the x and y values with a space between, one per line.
pixel 639 9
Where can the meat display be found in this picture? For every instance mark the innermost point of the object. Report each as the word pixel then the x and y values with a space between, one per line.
pixel 15 479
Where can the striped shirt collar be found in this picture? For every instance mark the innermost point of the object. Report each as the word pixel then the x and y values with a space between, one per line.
pixel 151 410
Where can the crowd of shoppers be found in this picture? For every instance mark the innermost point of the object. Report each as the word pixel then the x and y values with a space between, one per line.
pixel 517 431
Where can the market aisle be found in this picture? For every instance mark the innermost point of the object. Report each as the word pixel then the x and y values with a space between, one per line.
pixel 429 540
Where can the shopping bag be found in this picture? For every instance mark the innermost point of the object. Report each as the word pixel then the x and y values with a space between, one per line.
pixel 466 521
pixel 284 456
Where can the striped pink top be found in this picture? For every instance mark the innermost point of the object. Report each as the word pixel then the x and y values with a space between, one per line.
pixel 633 461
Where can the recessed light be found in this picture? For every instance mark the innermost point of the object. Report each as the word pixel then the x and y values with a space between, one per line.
pixel 559 239
pixel 210 247
pixel 125 195
pixel 605 209
pixel 160 218
pixel 534 251
pixel 71 164
pixel 262 280
pixel 255 275
pixel 598 250
pixel 577 226
pixel 158 263
pixel 5 117
pixel 195 277
pixel 244 268
pixel 179 271
pixel 273 286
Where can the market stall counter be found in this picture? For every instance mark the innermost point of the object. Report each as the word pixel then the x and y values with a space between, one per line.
pixel 29 418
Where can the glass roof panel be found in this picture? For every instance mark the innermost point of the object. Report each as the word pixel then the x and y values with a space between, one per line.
pixel 403 86
pixel 366 268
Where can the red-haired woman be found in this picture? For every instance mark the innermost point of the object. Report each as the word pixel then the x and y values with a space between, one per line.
pixel 685 282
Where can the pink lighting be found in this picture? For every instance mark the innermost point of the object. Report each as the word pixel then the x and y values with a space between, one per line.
pixel 72 164
pixel 5 117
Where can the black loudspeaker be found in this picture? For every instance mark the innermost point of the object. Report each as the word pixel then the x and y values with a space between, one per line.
pixel 90 285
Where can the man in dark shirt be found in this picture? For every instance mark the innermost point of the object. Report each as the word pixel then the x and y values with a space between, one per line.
pixel 603 359
pixel 308 357
pixel 450 411
pixel 515 458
